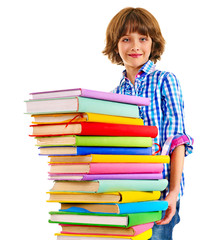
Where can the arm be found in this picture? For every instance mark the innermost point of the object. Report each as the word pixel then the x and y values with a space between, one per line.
pixel 177 162
pixel 173 125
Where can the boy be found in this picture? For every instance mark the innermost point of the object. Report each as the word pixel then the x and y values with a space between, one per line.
pixel 134 39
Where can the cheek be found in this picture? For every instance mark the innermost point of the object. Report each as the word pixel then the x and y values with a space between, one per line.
pixel 147 50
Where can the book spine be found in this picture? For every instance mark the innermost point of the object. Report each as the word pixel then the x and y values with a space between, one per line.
pixel 109 141
pixel 140 101
pixel 104 168
pixel 92 117
pixel 130 158
pixel 135 176
pixel 91 177
pixel 114 150
pixel 131 185
pixel 147 206
pixel 141 218
pixel 107 107
pixel 110 129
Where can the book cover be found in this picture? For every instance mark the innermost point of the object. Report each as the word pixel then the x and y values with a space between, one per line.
pixel 109 96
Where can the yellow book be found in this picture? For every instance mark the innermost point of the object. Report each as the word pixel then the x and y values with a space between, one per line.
pixel 111 197
pixel 142 236
pixel 110 159
pixel 84 117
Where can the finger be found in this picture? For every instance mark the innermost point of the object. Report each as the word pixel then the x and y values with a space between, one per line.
pixel 167 218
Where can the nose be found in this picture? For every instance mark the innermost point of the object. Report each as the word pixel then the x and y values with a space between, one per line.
pixel 135 46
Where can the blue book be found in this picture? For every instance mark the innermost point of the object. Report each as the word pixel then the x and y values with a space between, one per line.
pixel 64 150
pixel 117 208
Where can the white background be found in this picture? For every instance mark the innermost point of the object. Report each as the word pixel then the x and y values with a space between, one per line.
pixel 48 45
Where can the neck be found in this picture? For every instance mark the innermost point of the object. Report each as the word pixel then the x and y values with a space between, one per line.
pixel 131 74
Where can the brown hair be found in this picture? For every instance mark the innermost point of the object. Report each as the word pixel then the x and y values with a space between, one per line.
pixel 133 20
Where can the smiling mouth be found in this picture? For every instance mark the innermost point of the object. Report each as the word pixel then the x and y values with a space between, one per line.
pixel 135 55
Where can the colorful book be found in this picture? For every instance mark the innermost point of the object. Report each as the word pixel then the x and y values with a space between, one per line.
pixel 100 219
pixel 107 168
pixel 84 117
pixel 94 129
pixel 96 158
pixel 114 197
pixel 116 208
pixel 102 186
pixel 101 230
pixel 142 236
pixel 91 177
pixel 81 104
pixel 64 150
pixel 97 141
pixel 141 101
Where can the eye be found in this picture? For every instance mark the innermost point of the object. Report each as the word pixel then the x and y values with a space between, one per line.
pixel 125 39
pixel 143 39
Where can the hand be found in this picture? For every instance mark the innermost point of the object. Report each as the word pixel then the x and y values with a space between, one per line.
pixel 171 210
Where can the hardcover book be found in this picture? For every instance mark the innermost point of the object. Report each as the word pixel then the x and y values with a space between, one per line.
pixel 96 158
pixel 102 186
pixel 142 236
pixel 116 208
pixel 101 230
pixel 95 219
pixel 114 197
pixel 91 177
pixel 81 104
pixel 84 117
pixel 64 150
pixel 106 168
pixel 97 141
pixel 141 101
pixel 94 129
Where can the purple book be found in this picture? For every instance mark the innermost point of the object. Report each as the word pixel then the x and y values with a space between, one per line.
pixel 109 96
pixel 91 177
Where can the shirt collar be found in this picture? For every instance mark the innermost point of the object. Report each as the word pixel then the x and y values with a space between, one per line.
pixel 147 68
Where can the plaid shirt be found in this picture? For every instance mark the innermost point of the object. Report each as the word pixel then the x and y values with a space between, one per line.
pixel 165 110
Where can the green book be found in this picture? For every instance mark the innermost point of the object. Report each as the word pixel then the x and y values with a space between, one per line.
pixel 81 104
pixel 101 141
pixel 96 219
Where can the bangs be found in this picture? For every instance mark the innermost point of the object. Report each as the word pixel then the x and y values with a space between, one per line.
pixel 134 23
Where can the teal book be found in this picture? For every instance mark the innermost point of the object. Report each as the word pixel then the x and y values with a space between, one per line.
pixel 96 219
pixel 81 104
pixel 104 186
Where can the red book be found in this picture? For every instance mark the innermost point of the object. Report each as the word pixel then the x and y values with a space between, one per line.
pixel 94 129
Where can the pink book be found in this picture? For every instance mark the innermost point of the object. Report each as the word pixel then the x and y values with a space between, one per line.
pixel 136 230
pixel 92 177
pixel 107 168
pixel 109 96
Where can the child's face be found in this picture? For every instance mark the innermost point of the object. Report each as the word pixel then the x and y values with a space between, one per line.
pixel 134 49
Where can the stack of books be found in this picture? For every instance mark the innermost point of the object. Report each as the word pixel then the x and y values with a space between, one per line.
pixel 106 179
